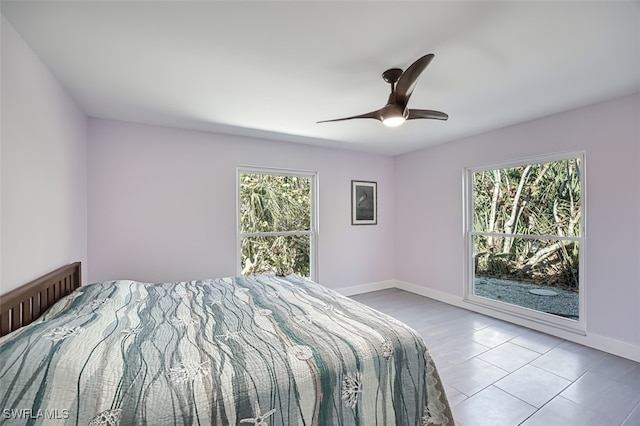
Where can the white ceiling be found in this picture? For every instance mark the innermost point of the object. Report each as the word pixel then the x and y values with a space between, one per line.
pixel 272 69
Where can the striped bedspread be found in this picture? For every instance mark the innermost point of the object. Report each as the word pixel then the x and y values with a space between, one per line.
pixel 259 350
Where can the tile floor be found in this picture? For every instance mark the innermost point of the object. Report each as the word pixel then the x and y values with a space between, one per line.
pixel 500 374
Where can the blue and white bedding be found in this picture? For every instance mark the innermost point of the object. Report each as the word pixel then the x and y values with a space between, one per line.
pixel 261 350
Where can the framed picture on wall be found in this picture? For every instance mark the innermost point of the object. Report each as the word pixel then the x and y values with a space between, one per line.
pixel 364 202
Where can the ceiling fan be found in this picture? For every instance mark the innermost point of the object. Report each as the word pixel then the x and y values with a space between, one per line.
pixel 395 112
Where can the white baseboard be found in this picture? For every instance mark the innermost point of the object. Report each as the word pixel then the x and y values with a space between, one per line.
pixel 430 293
pixel 603 343
pixel 366 288
pixel 612 346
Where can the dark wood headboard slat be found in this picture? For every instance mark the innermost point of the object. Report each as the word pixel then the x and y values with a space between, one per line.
pixel 25 304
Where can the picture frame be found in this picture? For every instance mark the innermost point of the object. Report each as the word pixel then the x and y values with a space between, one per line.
pixel 364 202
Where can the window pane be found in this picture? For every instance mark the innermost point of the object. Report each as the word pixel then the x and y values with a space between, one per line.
pixel 540 274
pixel 533 199
pixel 271 203
pixel 268 254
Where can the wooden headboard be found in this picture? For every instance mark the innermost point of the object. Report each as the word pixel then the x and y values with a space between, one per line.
pixel 25 304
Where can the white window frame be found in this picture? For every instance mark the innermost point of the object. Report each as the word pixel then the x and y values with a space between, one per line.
pixel 313 226
pixel 567 324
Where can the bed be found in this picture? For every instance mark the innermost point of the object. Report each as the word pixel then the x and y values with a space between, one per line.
pixel 262 350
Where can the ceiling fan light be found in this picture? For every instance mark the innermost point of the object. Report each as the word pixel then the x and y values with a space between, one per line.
pixel 393 121
pixel 393 115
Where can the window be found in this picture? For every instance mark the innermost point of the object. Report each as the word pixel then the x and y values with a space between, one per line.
pixel 277 229
pixel 525 239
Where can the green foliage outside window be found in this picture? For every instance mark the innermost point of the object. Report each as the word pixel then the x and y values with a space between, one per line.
pixel 278 209
pixel 537 201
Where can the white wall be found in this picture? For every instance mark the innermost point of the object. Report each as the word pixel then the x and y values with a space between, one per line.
pixel 429 226
pixel 42 169
pixel 162 204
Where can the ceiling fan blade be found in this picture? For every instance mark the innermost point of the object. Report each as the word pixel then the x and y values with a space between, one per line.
pixel 426 113
pixel 409 78
pixel 373 114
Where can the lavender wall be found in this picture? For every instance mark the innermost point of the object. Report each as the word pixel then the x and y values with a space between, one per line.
pixel 43 169
pixel 162 204
pixel 429 227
